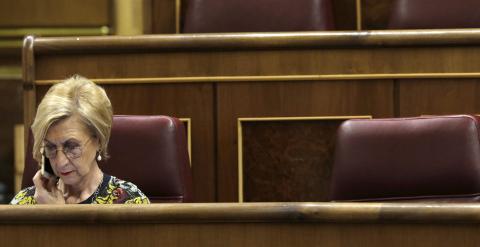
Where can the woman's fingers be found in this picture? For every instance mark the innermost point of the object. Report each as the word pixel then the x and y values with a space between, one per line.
pixel 39 181
pixel 46 191
pixel 51 184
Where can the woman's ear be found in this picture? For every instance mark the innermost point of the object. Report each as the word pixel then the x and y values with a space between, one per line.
pixel 97 142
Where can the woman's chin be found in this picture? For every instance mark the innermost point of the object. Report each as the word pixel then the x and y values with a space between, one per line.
pixel 69 179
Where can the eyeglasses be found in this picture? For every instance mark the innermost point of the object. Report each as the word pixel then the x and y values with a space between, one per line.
pixel 71 149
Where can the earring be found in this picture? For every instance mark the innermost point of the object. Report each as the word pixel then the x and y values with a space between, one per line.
pixel 99 156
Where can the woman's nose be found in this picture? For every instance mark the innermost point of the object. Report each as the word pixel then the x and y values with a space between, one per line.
pixel 61 159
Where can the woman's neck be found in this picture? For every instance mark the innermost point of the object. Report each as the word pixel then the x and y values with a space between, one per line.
pixel 83 190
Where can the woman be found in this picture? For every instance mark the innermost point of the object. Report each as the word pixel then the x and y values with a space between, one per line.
pixel 71 130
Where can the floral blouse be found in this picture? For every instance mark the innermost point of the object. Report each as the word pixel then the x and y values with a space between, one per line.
pixel 111 191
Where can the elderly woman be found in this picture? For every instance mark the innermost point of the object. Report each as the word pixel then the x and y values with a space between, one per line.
pixel 71 130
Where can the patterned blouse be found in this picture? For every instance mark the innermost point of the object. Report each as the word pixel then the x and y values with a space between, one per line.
pixel 111 191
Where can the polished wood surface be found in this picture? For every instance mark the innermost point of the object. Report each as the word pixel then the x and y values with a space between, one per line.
pixel 163 16
pixel 50 13
pixel 252 224
pixel 214 79
pixel 270 41
pixel 28 75
pixel 440 96
pixel 291 212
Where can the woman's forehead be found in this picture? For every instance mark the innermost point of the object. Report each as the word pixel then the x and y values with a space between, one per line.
pixel 71 127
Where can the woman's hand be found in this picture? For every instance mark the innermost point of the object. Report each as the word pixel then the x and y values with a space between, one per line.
pixel 46 191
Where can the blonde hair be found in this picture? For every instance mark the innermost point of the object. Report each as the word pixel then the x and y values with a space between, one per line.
pixel 75 96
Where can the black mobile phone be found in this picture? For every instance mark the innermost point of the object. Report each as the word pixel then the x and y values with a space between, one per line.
pixel 46 168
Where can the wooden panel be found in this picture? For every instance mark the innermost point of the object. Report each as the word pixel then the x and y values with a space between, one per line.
pixel 287 161
pixel 24 13
pixel 284 62
pixel 163 14
pixel 276 224
pixel 194 101
pixel 376 14
pixel 438 96
pixel 280 99
pixel 237 234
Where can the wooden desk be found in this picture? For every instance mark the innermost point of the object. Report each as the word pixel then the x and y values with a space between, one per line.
pixel 252 224
pixel 264 107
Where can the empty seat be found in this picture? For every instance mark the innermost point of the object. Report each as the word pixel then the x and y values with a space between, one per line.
pixel 414 159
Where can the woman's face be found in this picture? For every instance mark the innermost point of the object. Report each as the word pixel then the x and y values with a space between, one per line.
pixel 77 160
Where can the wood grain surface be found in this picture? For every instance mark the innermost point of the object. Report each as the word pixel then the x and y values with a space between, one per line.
pixel 248 224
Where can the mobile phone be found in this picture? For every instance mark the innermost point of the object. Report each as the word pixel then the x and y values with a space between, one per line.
pixel 46 168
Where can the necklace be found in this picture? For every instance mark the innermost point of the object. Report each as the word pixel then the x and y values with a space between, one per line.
pixel 95 194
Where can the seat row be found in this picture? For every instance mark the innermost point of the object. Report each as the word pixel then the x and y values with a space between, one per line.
pixel 213 16
pixel 433 158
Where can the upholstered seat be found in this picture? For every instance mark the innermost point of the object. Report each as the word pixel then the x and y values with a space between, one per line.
pixel 150 151
pixel 414 159
pixel 427 14
pixel 214 16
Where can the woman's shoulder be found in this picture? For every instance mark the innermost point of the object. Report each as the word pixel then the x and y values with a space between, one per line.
pixel 121 191
pixel 24 197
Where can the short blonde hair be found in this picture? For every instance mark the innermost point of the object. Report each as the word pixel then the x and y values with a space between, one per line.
pixel 75 96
